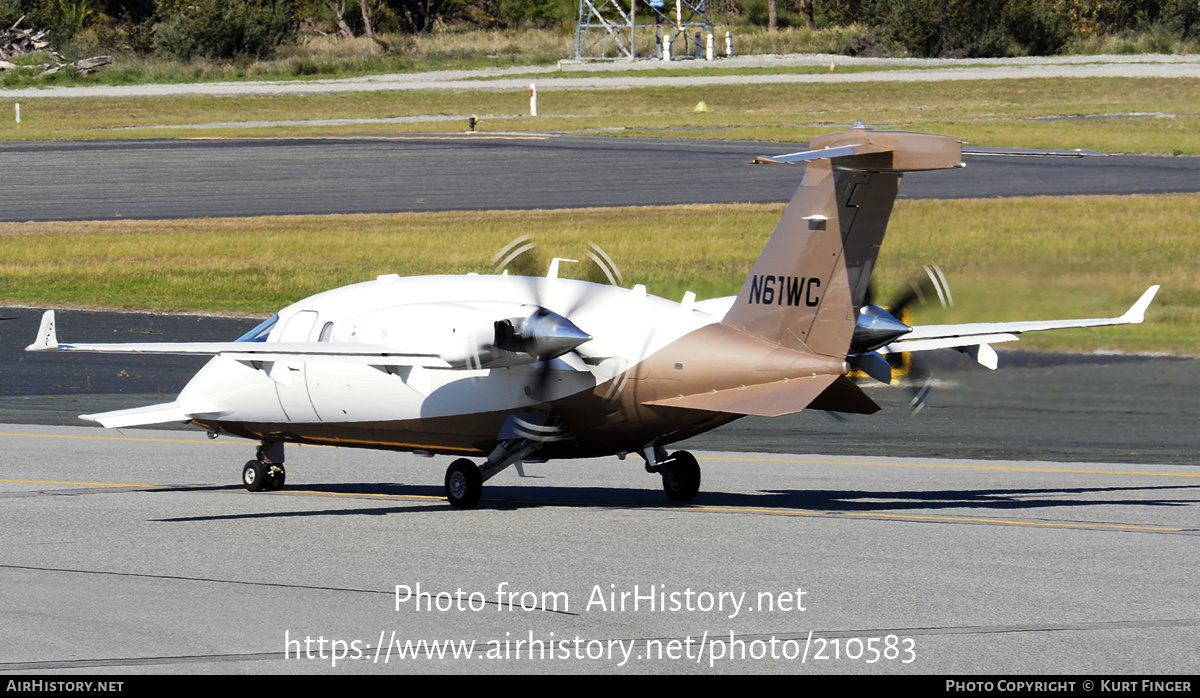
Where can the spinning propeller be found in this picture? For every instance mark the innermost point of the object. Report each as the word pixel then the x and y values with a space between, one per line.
pixel 877 326
pixel 544 334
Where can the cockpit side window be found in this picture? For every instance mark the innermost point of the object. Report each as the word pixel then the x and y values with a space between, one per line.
pixel 259 334
pixel 326 333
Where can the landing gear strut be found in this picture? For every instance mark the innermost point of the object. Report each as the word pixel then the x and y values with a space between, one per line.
pixel 464 481
pixel 266 471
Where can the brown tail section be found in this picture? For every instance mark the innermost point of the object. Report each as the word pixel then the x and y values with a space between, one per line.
pixel 813 273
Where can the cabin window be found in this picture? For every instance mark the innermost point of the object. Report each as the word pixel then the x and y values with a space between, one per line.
pixel 326 333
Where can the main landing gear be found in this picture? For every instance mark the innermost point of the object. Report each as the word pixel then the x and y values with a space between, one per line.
pixel 464 484
pixel 266 471
pixel 680 472
pixel 464 481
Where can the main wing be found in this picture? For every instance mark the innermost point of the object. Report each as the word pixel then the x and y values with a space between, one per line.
pixel 976 338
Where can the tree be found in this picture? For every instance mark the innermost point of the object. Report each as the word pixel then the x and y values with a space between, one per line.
pixel 225 28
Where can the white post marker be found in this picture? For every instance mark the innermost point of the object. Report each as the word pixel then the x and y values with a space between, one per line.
pixel 18 106
pixel 532 99
pixel 708 48
pixel 679 24
pixel 667 46
pixel 729 44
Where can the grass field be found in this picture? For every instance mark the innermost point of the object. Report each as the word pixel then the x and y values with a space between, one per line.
pixel 1007 259
pixel 1118 115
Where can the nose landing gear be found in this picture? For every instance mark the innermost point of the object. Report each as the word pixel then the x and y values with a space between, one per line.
pixel 258 476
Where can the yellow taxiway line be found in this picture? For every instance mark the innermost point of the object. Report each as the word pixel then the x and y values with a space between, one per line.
pixel 700 508
pixel 914 517
pixel 82 484
pixel 961 466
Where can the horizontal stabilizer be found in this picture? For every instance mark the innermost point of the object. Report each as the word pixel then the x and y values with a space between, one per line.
pixel 906 151
pixel 142 416
pixel 864 149
pixel 820 154
pixel 1031 152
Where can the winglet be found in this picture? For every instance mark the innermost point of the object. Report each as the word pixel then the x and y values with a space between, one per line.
pixel 46 337
pixel 1137 313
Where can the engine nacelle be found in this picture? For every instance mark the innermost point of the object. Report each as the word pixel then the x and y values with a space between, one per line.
pixel 471 335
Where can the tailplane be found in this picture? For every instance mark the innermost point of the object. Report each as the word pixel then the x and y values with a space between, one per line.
pixel 812 276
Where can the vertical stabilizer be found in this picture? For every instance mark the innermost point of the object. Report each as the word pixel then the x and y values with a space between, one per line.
pixel 812 276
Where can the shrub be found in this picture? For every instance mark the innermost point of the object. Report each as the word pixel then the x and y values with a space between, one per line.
pixel 225 28
pixel 535 12
pixel 1036 27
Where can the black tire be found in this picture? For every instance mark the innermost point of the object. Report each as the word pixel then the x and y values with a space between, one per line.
pixel 254 476
pixel 275 483
pixel 464 484
pixel 681 476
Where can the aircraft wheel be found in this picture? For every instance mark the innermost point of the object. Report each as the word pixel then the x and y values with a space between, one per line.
pixel 681 476
pixel 276 477
pixel 254 476
pixel 464 484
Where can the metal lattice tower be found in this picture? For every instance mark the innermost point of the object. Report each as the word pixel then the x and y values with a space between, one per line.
pixel 608 29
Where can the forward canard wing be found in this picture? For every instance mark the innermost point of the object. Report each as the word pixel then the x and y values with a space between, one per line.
pixel 150 414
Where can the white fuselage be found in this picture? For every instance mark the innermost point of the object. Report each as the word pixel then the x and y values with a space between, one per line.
pixel 450 318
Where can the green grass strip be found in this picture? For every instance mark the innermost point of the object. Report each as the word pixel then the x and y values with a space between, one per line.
pixel 1007 259
pixel 1116 115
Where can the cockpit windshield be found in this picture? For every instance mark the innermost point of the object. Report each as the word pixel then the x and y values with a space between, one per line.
pixel 259 334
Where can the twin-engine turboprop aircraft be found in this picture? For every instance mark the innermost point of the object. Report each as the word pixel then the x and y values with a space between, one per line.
pixel 516 368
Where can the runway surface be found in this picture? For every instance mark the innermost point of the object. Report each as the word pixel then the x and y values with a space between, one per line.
pixel 134 552
pixel 382 174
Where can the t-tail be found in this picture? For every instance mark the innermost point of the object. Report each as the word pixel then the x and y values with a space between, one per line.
pixel 790 335
pixel 812 276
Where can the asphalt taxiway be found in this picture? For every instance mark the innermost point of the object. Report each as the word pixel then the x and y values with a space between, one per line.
pixel 133 552
pixel 106 180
